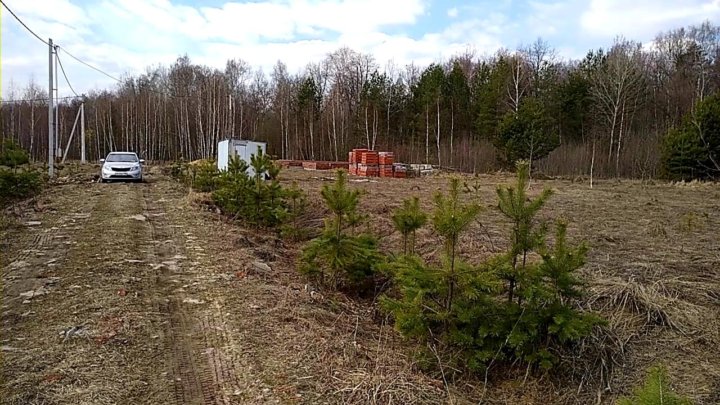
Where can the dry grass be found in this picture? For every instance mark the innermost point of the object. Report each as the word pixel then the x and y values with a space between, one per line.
pixel 653 273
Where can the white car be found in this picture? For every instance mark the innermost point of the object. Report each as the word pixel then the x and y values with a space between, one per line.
pixel 121 166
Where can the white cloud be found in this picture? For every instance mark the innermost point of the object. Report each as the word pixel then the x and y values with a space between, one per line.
pixel 642 19
pixel 127 36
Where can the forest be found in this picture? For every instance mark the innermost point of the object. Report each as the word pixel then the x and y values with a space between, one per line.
pixel 608 112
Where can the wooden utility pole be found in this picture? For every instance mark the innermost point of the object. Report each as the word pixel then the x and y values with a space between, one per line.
pixel 51 121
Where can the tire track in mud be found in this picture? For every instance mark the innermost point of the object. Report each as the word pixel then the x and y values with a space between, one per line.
pixel 198 367
pixel 44 251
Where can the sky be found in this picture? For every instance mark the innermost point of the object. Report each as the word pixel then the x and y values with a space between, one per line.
pixel 127 36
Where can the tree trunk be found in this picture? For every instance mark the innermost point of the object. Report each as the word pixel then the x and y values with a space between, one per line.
pixel 592 163
pixel 427 134
pixel 452 132
pixel 437 133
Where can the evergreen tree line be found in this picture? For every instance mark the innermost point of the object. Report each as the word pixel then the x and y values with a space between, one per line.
pixel 608 112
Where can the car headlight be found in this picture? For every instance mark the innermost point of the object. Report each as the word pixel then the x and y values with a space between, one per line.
pixel 136 167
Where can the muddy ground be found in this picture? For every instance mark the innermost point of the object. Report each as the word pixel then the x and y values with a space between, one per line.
pixel 134 293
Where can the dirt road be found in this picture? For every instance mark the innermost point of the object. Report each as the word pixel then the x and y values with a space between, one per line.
pixel 95 303
pixel 128 294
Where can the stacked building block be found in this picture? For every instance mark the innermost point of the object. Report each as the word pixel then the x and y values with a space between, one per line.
pixel 386 160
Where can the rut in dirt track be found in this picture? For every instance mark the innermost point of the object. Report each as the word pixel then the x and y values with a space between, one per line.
pixel 198 368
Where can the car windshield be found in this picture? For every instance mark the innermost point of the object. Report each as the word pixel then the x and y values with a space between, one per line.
pixel 121 157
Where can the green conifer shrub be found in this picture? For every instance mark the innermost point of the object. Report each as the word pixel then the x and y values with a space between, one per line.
pixel 296 206
pixel 442 303
pixel 254 200
pixel 527 235
pixel 338 258
pixel 692 151
pixel 204 175
pixel 19 182
pixel 519 305
pixel 407 220
pixel 13 155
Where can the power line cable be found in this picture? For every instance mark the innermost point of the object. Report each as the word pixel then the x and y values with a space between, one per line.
pixel 58 47
pixel 30 100
pixel 89 65
pixel 23 24
pixel 57 55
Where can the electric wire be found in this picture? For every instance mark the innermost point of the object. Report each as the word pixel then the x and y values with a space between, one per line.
pixel 23 24
pixel 57 55
pixel 59 47
pixel 89 65
pixel 30 100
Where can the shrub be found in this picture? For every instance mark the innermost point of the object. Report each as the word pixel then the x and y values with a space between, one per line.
pixel 337 257
pixel 253 199
pixel 514 306
pixel 655 390
pixel 203 175
pixel 296 205
pixel 16 185
pixel 692 151
pixel 12 155
pixel 179 170
pixel 265 196
pixel 407 220
pixel 526 236
pixel 440 301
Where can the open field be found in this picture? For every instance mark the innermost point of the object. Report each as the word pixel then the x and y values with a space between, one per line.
pixel 135 293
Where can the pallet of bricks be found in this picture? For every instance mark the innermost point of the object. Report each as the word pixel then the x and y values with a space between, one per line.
pixel 385 161
pixel 363 162
pixel 354 160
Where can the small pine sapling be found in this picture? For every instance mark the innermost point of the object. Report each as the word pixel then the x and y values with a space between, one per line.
pixel 296 204
pixel 337 257
pixel 526 234
pixel 549 317
pixel 204 176
pixel 265 196
pixel 656 390
pixel 12 155
pixel 14 184
pixel 341 201
pixel 237 166
pixel 407 220
pixel 450 220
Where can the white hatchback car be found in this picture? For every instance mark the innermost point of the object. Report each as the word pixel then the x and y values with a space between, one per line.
pixel 121 166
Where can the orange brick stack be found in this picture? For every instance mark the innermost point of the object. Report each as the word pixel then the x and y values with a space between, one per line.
pixel 370 158
pixel 363 162
pixel 386 160
pixel 352 163
pixel 368 170
pixel 369 164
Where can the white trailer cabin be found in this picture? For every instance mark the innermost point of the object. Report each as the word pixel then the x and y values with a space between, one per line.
pixel 241 148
